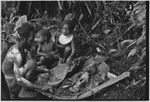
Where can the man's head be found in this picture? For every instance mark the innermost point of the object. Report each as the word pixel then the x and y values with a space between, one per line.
pixel 42 35
pixel 25 34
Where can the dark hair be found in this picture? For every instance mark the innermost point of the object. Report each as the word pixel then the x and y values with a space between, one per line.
pixel 71 23
pixel 45 33
pixel 25 30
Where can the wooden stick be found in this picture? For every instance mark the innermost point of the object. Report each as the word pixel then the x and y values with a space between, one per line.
pixel 108 83
pixel 111 75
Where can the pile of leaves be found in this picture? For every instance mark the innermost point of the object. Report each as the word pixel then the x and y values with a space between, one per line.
pixel 76 83
pixel 115 29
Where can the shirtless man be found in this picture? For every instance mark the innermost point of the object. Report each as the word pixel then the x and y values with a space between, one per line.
pixel 16 68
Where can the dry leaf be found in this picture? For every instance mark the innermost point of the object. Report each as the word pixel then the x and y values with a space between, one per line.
pixel 98 49
pixel 132 52
pixel 103 68
pixel 68 16
pixel 140 39
pixel 80 17
pixel 107 31
pixel 143 55
pixel 126 42
pixel 88 8
pixel 112 51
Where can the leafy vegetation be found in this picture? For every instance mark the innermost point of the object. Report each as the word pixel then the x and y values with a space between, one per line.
pixel 116 29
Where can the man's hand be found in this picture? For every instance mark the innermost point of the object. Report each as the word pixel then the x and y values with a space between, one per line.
pixel 31 61
pixel 30 64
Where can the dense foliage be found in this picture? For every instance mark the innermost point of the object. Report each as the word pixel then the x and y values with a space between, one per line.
pixel 116 29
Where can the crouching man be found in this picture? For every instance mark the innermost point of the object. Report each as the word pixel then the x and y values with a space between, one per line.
pixel 17 70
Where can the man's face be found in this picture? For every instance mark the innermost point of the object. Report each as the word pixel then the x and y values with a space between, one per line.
pixel 65 29
pixel 28 42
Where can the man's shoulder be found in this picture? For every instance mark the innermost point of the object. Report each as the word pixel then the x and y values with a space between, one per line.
pixel 13 52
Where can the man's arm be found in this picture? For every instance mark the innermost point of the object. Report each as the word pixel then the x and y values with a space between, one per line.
pixel 22 81
pixel 23 70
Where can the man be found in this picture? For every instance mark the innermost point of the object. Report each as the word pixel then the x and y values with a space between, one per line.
pixel 17 69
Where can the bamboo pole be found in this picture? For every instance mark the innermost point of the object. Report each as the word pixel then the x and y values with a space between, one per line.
pixel 111 75
pixel 108 83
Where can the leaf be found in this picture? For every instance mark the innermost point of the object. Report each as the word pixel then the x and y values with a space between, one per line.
pixel 143 50
pixel 140 39
pixel 100 59
pixel 112 51
pixel 126 42
pixel 58 74
pixel 101 46
pixel 143 54
pixel 98 49
pixel 132 52
pixel 138 14
pixel 103 68
pixel 81 16
pixel 134 66
pixel 132 43
pixel 88 8
pixel 107 31
pixel 68 16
